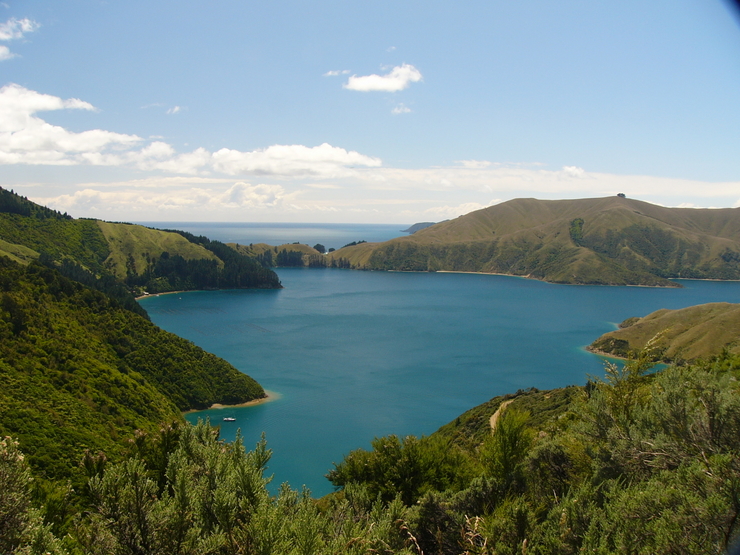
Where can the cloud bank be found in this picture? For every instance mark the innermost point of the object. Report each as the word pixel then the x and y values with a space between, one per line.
pixel 296 182
pixel 25 138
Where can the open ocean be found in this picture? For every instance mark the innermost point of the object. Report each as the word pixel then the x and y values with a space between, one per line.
pixel 330 235
pixel 355 355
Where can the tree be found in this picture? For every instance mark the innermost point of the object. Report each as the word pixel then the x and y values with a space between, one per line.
pixel 21 527
pixel 504 452
pixel 319 247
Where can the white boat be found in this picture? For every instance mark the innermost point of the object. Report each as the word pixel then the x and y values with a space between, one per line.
pixel 229 419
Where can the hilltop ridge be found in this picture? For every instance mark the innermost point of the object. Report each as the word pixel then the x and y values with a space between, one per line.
pixel 604 241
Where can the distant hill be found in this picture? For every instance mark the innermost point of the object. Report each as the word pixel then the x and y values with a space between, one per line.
pixel 143 259
pixel 608 241
pixel 289 255
pixel 682 335
pixel 417 227
pixel 77 371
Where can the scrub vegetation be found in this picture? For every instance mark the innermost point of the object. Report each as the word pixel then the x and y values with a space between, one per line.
pixel 637 462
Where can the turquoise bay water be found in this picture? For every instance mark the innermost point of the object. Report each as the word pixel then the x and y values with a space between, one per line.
pixel 362 354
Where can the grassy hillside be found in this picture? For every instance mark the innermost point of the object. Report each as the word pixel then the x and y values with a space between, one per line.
pixel 132 247
pixel 79 240
pixel 107 255
pixel 678 335
pixel 609 241
pixel 78 372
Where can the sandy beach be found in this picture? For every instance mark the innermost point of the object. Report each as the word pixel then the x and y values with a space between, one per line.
pixel 158 294
pixel 269 396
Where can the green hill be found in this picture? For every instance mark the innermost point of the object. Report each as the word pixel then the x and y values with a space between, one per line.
pixel 679 335
pixel 283 256
pixel 100 253
pixel 609 241
pixel 77 371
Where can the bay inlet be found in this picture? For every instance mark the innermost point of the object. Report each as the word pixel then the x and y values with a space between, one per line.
pixel 356 355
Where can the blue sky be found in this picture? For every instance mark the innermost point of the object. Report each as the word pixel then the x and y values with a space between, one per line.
pixel 344 111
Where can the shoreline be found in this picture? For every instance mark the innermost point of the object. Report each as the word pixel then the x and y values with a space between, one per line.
pixel 604 354
pixel 268 398
pixel 158 294
pixel 529 276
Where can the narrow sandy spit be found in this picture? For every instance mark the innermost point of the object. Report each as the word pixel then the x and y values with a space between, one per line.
pixel 269 396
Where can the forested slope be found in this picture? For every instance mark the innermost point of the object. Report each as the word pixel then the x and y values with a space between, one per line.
pixel 78 371
pixel 609 241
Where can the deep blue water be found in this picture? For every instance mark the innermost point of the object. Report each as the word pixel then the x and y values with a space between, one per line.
pixel 329 235
pixel 362 354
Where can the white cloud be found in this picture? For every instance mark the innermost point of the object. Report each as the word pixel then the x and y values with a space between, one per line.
pixel 157 200
pixel 399 78
pixel 16 28
pixel 27 139
pixel 574 171
pixel 474 164
pixel 336 72
pixel 401 109
pixel 174 110
pixel 291 160
pixel 244 195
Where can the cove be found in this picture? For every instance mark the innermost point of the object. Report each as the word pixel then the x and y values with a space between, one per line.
pixel 355 355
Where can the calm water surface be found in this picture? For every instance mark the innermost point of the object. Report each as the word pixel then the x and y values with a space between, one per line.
pixel 362 354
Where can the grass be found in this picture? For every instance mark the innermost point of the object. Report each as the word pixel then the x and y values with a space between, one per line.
pixel 686 334
pixel 616 241
pixel 136 243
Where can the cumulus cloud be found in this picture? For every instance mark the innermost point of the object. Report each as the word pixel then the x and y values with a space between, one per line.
pixel 25 138
pixel 401 109
pixel 574 171
pixel 291 160
pixel 398 79
pixel 244 195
